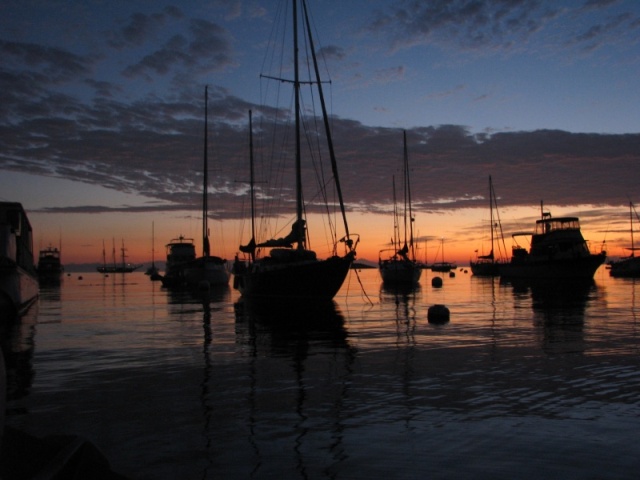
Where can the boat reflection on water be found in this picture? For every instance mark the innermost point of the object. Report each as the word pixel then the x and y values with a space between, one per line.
pixel 399 292
pixel 292 328
pixel 405 298
pixel 314 389
pixel 559 310
pixel 204 296
pixel 17 342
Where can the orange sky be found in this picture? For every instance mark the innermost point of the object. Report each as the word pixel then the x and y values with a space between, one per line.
pixel 463 232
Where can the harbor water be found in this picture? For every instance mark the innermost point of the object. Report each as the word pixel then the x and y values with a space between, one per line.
pixel 522 382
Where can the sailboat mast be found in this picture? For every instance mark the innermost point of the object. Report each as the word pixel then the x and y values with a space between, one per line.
pixel 404 185
pixel 205 207
pixel 251 186
pixel 122 249
pixel 396 234
pixel 153 244
pixel 631 228
pixel 408 195
pixel 491 214
pixel 296 87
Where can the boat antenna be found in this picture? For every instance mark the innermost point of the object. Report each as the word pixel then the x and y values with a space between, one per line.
pixel 334 163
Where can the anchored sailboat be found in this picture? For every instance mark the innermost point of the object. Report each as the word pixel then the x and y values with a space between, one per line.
pixel 152 271
pixel 489 265
pixel 285 269
pixel 401 267
pixel 627 266
pixel 122 267
pixel 183 268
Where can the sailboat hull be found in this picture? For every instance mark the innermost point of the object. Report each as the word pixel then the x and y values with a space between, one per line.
pixel 571 268
pixel 315 280
pixel 486 269
pixel 210 270
pixel 400 272
pixel 626 268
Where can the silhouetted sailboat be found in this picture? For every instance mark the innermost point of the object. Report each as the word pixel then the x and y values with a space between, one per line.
pixel 122 267
pixel 289 270
pixel 400 266
pixel 152 271
pixel 442 266
pixel 489 265
pixel 184 269
pixel 627 266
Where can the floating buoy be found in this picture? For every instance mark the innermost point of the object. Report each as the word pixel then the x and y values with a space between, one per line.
pixel 436 282
pixel 438 314
pixel 80 277
pixel 452 274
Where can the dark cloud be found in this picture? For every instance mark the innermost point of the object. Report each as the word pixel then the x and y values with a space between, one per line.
pixel 54 64
pixel 155 149
pixel 501 24
pixel 141 28
pixel 332 52
pixel 466 23
pixel 206 49
pixel 153 145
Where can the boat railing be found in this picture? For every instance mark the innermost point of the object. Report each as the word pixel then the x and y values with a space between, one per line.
pixel 559 223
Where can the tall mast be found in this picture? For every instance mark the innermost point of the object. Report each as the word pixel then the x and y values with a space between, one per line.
pixel 296 87
pixel 491 214
pixel 408 196
pixel 153 244
pixel 251 183
pixel 396 233
pixel 205 208
pixel 631 227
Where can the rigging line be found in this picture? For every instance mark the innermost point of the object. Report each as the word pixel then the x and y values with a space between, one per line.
pixel 320 174
pixel 334 165
pixel 362 286
pixel 314 144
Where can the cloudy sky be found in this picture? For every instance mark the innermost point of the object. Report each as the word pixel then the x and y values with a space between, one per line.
pixel 101 114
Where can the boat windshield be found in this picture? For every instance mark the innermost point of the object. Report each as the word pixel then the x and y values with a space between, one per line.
pixel 561 223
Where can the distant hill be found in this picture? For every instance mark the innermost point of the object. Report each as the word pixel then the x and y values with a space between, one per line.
pixel 363 264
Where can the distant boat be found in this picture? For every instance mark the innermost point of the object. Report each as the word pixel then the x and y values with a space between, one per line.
pixel 558 251
pixel 627 266
pixel 399 265
pixel 196 271
pixel 18 276
pixel 152 271
pixel 488 265
pixel 50 268
pixel 122 267
pixel 442 266
pixel 290 272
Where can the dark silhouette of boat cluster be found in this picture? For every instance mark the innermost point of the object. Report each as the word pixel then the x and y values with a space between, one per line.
pixel 283 266
pixel 557 250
